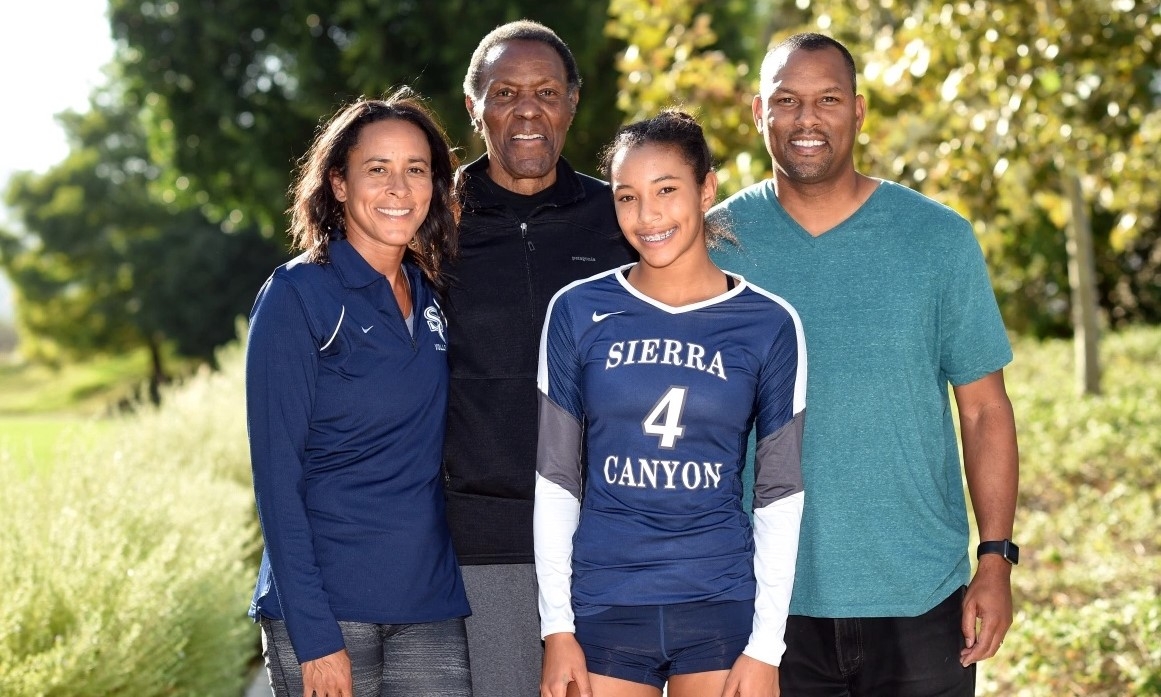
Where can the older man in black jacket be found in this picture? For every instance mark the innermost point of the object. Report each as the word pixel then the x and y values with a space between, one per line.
pixel 530 225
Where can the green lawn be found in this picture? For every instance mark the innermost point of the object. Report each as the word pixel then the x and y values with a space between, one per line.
pixel 76 389
pixel 42 408
pixel 31 442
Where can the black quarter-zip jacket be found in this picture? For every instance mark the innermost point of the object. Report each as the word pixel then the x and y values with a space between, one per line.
pixel 507 272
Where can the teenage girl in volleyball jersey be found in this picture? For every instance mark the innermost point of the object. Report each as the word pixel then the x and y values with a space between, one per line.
pixel 651 377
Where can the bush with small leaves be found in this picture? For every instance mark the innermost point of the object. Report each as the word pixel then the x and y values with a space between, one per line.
pixel 127 564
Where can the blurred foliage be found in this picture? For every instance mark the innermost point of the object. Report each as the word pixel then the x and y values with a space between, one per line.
pixel 168 212
pixel 85 388
pixel 31 439
pixel 982 105
pixel 988 106
pixel 206 413
pixel 103 264
pixel 691 54
pixel 125 571
pixel 1088 588
pixel 238 87
pixel 8 337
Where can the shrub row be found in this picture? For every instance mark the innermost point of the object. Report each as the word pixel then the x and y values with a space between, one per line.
pixel 1088 589
pixel 126 565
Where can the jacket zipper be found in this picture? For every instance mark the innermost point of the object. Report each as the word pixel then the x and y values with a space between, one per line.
pixel 530 247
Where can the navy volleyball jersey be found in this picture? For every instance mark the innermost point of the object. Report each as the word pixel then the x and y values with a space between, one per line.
pixel 659 401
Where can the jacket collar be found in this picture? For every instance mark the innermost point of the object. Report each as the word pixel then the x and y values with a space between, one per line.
pixel 475 187
pixel 352 268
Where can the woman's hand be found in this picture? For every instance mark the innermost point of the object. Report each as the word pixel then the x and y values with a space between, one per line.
pixel 564 662
pixel 329 676
pixel 751 678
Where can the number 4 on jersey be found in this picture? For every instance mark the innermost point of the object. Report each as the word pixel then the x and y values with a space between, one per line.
pixel 664 419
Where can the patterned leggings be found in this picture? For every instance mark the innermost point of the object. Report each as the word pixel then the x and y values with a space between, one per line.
pixel 387 660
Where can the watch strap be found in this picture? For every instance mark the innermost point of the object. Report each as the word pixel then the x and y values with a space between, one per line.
pixel 1005 548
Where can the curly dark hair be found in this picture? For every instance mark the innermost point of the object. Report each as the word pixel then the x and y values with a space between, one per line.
pixel 316 216
pixel 677 129
pixel 521 30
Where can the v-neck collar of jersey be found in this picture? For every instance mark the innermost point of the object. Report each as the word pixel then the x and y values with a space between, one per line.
pixel 739 285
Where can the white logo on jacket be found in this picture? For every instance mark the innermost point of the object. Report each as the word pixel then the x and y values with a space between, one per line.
pixel 436 323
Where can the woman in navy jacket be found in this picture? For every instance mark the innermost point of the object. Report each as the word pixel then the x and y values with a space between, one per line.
pixel 346 394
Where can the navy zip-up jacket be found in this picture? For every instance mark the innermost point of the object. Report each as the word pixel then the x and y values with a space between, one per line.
pixel 345 413
pixel 508 269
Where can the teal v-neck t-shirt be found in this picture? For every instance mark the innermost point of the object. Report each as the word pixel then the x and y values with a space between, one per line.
pixel 896 305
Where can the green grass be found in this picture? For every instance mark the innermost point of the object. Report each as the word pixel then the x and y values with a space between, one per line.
pixel 80 389
pixel 31 443
pixel 44 408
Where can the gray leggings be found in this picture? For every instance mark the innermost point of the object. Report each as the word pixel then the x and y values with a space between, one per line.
pixel 387 660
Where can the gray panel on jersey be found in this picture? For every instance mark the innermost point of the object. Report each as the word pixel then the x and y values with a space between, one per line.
pixel 778 463
pixel 558 447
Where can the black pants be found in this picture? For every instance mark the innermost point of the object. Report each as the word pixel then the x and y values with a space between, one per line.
pixel 878 656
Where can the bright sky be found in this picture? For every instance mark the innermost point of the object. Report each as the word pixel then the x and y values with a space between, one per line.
pixel 50 60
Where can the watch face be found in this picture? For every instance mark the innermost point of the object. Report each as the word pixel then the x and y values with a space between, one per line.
pixel 1011 552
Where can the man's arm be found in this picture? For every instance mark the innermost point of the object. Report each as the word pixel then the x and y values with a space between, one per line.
pixel 992 464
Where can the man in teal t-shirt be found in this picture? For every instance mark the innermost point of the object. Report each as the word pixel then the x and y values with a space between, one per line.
pixel 896 305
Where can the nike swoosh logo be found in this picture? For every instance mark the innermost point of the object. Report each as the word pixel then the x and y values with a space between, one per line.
pixel 367 329
pixel 597 317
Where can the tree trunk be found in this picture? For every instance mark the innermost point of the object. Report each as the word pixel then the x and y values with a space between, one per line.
pixel 1082 279
pixel 157 374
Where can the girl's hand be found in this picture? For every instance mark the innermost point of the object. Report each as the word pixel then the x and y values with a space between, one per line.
pixel 751 678
pixel 564 663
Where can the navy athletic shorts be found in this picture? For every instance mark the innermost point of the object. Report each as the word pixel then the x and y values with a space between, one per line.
pixel 649 643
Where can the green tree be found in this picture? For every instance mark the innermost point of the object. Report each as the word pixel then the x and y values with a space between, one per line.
pixel 702 56
pixel 1036 119
pixel 1028 117
pixel 8 338
pixel 239 87
pixel 102 265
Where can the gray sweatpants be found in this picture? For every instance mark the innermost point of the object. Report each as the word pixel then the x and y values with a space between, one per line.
pixel 504 630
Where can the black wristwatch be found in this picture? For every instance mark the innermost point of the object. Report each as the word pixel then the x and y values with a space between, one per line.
pixel 1005 548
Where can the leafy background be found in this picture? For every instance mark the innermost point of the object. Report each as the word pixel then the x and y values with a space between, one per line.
pixel 132 258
